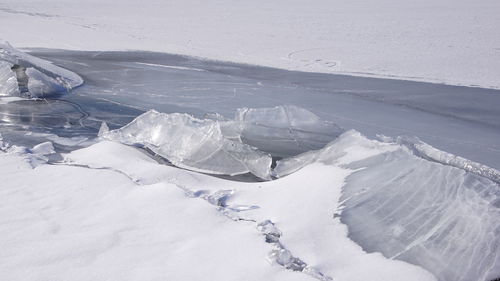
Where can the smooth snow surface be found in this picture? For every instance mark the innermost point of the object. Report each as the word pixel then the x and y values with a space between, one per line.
pixel 448 41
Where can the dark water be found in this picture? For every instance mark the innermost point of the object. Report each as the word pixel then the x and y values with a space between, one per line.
pixel 121 85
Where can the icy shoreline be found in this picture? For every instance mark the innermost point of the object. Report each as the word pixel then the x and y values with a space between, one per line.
pixel 343 207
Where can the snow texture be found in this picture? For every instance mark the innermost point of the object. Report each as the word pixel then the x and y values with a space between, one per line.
pixel 301 207
pixel 443 41
pixel 379 194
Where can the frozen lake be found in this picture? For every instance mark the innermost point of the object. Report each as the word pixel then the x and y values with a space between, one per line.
pixel 348 209
pixel 121 85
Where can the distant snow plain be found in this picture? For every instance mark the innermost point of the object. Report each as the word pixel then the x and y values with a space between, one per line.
pixel 443 41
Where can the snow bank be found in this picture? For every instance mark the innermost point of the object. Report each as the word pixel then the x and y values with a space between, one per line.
pixel 74 223
pixel 408 208
pixel 300 207
pixel 356 209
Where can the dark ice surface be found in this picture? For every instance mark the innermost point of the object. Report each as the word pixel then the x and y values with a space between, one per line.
pixel 121 85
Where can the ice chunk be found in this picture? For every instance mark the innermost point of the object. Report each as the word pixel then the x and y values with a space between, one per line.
pixel 103 129
pixel 40 85
pixel 8 80
pixel 441 217
pixel 43 148
pixel 349 147
pixel 282 130
pixel 428 152
pixel 193 144
pixel 45 77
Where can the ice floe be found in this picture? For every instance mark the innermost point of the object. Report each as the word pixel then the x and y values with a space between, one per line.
pixel 443 216
pixel 284 130
pixel 191 143
pixel 21 73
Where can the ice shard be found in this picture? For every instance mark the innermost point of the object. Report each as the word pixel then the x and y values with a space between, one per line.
pixel 282 130
pixel 8 80
pixel 44 78
pixel 435 215
pixel 191 143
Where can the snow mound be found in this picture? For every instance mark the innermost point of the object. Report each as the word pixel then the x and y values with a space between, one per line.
pixel 442 217
pixel 44 78
pixel 192 143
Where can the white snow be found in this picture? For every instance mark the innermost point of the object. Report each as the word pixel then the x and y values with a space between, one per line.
pixel 74 223
pixel 444 41
pixel 357 209
pixel 111 211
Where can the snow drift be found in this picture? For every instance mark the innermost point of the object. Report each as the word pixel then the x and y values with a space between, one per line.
pixel 380 195
pixel 402 198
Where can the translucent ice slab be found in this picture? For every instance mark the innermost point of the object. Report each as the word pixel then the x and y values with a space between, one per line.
pixel 282 130
pixel 44 78
pixel 8 80
pixel 192 143
pixel 441 217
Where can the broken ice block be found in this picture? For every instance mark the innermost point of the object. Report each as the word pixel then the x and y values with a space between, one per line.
pixel 284 130
pixel 8 80
pixel 193 144
pixel 44 78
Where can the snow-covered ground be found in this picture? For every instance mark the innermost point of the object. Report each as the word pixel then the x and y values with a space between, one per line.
pixel 348 208
pixel 444 41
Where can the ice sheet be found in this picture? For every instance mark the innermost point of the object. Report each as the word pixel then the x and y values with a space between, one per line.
pixel 442 217
pixel 284 130
pixel 192 143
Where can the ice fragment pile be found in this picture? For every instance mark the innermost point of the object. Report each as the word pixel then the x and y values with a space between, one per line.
pixel 193 144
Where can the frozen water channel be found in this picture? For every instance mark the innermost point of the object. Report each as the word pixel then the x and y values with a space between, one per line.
pixel 121 85
pixel 348 208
